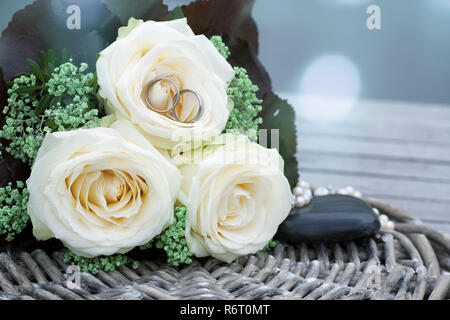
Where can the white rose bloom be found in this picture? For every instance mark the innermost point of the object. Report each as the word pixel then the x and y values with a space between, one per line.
pixel 146 51
pixel 236 196
pixel 100 193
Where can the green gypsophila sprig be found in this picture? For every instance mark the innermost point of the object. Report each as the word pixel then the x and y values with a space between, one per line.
pixel 244 116
pixel 271 244
pixel 220 46
pixel 13 210
pixel 23 129
pixel 55 97
pixel 173 240
pixel 96 264
pixel 71 89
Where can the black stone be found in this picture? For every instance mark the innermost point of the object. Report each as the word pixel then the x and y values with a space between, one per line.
pixel 329 218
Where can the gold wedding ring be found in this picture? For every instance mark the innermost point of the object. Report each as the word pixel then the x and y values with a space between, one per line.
pixel 175 100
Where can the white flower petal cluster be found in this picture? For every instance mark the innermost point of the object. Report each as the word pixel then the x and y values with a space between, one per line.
pixel 101 191
pixel 147 51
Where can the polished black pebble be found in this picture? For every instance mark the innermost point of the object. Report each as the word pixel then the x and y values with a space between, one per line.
pixel 329 218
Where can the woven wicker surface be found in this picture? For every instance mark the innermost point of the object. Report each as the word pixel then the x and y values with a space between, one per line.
pixel 412 262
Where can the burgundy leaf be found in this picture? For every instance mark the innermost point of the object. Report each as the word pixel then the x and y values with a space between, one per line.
pixel 231 18
pixel 233 21
pixel 12 170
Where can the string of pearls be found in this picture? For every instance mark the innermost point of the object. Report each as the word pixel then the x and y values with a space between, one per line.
pixel 303 193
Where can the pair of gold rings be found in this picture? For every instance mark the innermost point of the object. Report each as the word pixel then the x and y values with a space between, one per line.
pixel 170 112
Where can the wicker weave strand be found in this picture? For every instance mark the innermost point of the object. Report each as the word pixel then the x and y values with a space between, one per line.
pixel 410 262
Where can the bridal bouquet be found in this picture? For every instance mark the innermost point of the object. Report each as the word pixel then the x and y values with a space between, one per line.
pixel 141 128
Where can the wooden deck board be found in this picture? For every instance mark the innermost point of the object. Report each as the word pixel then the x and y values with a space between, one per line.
pixel 422 171
pixel 386 131
pixel 409 152
pixel 421 206
pixel 396 151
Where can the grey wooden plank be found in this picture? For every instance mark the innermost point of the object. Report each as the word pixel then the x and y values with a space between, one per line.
pixel 407 151
pixel 376 130
pixel 402 112
pixel 382 187
pixel 430 212
pixel 439 173
pixel 396 151
pixel 387 120
pixel 435 214
pixel 378 110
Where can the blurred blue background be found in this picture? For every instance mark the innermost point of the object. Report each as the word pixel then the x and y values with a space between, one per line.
pixel 324 47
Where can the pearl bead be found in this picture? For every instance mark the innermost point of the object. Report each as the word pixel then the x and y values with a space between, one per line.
pixel 308 194
pixel 390 225
pixel 298 191
pixel 299 201
pixel 376 211
pixel 304 184
pixel 383 218
pixel 349 190
pixel 321 191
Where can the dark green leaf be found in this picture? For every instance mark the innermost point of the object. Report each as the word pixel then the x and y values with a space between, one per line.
pixel 43 25
pixel 3 103
pixel 67 100
pixel 176 13
pixel 95 82
pixel 51 57
pixel 290 163
pixel 36 70
pixel 138 9
pixel 42 105
pixel 54 101
pixel 65 56
pixel 51 124
pixel 40 27
pixel 27 89
pixel 278 114
pixel 44 62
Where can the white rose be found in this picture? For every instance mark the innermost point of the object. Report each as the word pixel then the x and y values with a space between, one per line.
pixel 236 196
pixel 100 193
pixel 145 51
